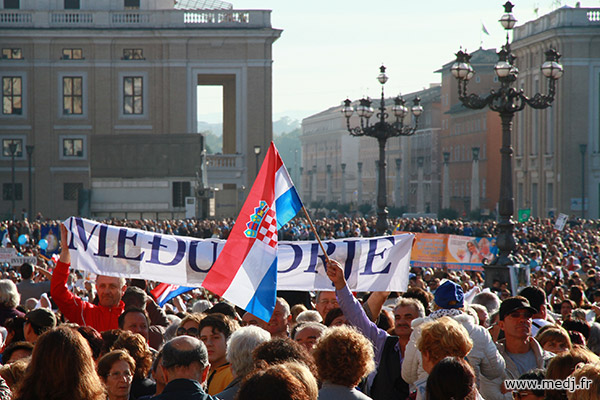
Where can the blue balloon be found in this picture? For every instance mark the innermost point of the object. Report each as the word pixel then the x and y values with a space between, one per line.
pixel 43 244
pixel 23 239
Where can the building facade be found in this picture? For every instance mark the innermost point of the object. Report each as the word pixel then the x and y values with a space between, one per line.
pixel 557 161
pixel 71 70
pixel 340 168
pixel 470 141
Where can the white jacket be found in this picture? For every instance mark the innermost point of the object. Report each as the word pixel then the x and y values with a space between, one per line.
pixel 483 357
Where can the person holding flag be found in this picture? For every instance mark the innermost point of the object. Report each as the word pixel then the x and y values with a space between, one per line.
pixel 245 272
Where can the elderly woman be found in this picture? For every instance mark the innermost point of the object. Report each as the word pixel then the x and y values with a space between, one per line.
pixel 116 371
pixel 138 349
pixel 337 347
pixel 9 300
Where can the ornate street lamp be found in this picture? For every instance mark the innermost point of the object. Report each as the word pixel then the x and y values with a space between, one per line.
pixel 382 130
pixel 507 101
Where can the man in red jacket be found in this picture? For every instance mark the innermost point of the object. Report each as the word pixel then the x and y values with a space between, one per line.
pixel 101 317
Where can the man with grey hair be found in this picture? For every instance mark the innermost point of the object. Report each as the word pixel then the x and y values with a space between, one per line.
pixel 240 346
pixel 279 324
pixel 103 316
pixel 489 300
pixel 185 367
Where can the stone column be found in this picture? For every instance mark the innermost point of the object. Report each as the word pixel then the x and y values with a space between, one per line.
pixel 343 196
pixel 420 185
pixel 398 185
pixel 314 184
pixel 309 186
pixel 360 184
pixel 475 180
pixel 300 183
pixel 446 193
pixel 328 184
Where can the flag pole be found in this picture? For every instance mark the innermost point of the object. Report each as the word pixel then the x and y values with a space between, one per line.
pixel 315 232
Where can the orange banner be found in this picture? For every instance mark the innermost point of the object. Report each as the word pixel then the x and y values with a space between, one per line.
pixel 451 251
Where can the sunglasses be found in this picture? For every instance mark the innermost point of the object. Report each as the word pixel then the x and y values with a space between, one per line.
pixel 190 332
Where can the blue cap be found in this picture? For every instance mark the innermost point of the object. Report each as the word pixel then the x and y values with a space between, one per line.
pixel 449 295
pixel 411 276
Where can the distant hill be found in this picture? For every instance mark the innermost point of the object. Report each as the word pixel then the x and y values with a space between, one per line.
pixel 285 131
pixel 285 125
pixel 217 128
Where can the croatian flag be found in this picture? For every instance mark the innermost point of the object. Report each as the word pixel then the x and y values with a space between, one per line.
pixel 165 291
pixel 245 272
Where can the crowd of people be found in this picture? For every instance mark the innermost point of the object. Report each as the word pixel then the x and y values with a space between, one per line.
pixel 66 334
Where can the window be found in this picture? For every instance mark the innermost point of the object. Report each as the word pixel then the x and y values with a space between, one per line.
pixel 72 5
pixel 133 54
pixel 12 4
pixel 71 190
pixel 132 4
pixel 72 95
pixel 133 95
pixel 7 191
pixel 12 96
pixel 12 54
pixel 72 54
pixel 72 147
pixel 181 190
pixel 6 147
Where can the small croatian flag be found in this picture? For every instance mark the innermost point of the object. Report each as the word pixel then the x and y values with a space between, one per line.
pixel 245 272
pixel 164 292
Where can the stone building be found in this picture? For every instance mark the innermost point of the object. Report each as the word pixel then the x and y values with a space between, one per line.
pixel 73 70
pixel 338 167
pixel 551 171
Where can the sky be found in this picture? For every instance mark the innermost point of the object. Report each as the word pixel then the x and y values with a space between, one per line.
pixel 330 49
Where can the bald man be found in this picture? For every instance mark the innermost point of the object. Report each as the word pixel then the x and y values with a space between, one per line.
pixel 185 367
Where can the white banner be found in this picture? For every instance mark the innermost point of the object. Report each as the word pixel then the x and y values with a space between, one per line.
pixel 370 264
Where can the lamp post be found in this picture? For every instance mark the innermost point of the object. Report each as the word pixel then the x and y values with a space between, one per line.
pixel 257 150
pixel 382 130
pixel 12 148
pixel 507 101
pixel 582 149
pixel 29 149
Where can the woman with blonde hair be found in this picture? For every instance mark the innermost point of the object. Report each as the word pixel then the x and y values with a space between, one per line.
pixel 343 357
pixel 563 365
pixel 441 338
pixel 61 367
pixel 190 325
pixel 589 391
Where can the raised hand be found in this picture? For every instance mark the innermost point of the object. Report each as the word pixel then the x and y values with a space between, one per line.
pixel 335 273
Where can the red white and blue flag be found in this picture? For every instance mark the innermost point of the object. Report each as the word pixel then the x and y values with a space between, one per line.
pixel 245 272
pixel 164 292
